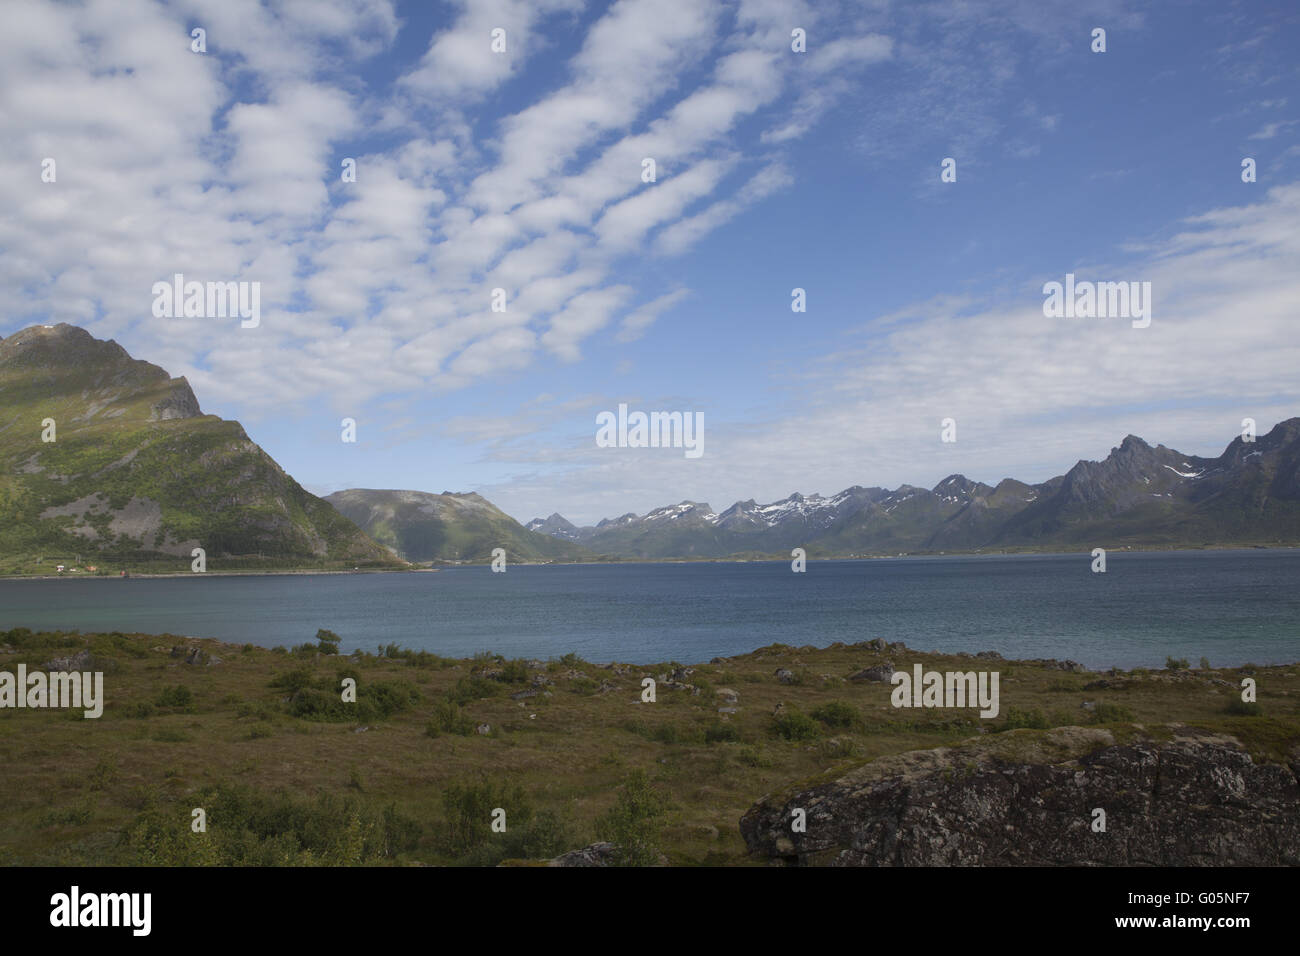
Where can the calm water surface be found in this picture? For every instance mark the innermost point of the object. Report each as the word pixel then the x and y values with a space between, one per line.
pixel 1229 606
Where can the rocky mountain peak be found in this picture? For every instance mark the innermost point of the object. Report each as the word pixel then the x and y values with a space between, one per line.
pixel 556 524
pixel 61 346
pixel 65 359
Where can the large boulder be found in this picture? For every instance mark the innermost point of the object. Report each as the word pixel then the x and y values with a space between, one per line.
pixel 881 673
pixel 79 661
pixel 597 854
pixel 1027 798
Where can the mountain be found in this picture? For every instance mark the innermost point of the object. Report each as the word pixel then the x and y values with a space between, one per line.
pixel 555 525
pixel 421 526
pixel 137 476
pixel 1139 496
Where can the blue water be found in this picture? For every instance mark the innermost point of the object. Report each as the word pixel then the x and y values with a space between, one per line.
pixel 1230 606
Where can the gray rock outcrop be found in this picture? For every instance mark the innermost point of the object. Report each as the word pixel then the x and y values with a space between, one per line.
pixel 1027 798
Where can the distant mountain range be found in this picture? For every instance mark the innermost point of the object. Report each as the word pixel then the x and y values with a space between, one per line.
pixel 1139 496
pixel 136 475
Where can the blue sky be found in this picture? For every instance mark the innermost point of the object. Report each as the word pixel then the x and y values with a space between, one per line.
pixel 776 170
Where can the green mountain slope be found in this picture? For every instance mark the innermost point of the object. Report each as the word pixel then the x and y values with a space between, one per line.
pixel 137 476
pixel 421 526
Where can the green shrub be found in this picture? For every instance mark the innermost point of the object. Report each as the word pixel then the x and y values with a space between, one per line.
pixel 1205 664
pixel 666 734
pixel 513 672
pixel 375 700
pixel 178 697
pixel 473 688
pixel 541 836
pixel 254 709
pixel 64 816
pixel 313 704
pixel 293 680
pixel 1242 708
pixel 634 823
pixel 1176 663
pixel 719 732
pixel 415 658
pixel 1018 719
pixel 839 748
pixel 448 718
pixel 327 641
pixel 1108 713
pixel 836 713
pixel 469 813
pixel 104 774
pixel 139 708
pixel 312 698
pixel 677 734
pixel 385 698
pixel 635 725
pixel 248 827
pixel 793 725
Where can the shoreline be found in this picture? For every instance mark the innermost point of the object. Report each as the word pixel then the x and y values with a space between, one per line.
pixel 875 645
pixel 918 555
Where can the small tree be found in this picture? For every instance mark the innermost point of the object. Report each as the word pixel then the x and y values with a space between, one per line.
pixel 634 822
pixel 328 641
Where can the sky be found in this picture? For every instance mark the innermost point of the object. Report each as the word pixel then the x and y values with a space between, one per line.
pixel 521 169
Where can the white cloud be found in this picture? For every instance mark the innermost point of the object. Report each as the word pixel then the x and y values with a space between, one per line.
pixel 681 235
pixel 460 62
pixel 636 323
pixel 584 314
pixel 1269 130
pixel 1030 394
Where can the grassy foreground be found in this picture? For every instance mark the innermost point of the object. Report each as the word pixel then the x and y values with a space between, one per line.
pixel 412 772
